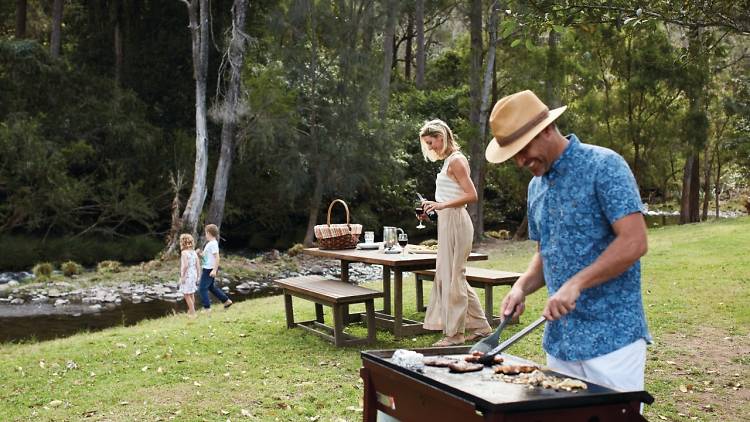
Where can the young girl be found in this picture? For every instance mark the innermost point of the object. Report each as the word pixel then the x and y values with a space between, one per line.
pixel 189 270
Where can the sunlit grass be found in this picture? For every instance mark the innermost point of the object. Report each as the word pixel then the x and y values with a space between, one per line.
pixel 244 361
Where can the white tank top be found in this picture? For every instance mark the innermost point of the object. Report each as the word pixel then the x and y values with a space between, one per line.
pixel 447 189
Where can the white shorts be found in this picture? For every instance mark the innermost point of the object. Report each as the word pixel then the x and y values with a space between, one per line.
pixel 621 370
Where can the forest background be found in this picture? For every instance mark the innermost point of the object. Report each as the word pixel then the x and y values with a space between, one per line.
pixel 123 122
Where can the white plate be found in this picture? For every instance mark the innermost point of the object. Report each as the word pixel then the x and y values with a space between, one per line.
pixel 366 246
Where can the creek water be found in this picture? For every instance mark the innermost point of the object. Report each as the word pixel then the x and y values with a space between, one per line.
pixel 38 322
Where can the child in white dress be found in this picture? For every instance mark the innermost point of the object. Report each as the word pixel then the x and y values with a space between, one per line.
pixel 189 270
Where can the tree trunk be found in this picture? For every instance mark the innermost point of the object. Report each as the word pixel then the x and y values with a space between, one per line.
pixel 419 22
pixel 553 80
pixel 707 159
pixel 198 9
pixel 56 36
pixel 690 187
pixel 484 111
pixel 388 52
pixel 173 236
pixel 522 231
pixel 116 14
pixel 717 181
pixel 475 92
pixel 317 195
pixel 408 48
pixel 230 111
pixel 696 129
pixel 315 202
pixel 21 19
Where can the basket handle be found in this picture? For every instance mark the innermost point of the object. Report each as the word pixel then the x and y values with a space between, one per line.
pixel 330 207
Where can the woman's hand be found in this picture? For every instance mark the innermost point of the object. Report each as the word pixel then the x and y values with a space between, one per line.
pixel 428 206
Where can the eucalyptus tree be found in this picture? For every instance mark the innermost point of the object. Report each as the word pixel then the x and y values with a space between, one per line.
pixel 198 16
pixel 21 8
pixel 229 110
pixel 56 33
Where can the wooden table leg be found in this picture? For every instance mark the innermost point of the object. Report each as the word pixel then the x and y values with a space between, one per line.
pixel 370 310
pixel 345 279
pixel 420 292
pixel 319 312
pixel 289 310
pixel 386 289
pixel 488 303
pixel 338 325
pixel 398 311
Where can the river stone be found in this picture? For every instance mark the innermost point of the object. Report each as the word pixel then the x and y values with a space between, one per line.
pixel 242 287
pixel 110 306
pixel 317 269
pixel 12 283
pixel 61 302
pixel 17 301
pixel 39 298
pixel 96 308
pixel 136 299
pixel 110 298
pixel 54 293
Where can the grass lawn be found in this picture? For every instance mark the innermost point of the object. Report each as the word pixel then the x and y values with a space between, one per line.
pixel 244 364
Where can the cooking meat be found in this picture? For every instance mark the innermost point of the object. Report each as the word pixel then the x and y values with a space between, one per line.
pixel 463 366
pixel 515 369
pixel 540 379
pixel 439 361
pixel 474 357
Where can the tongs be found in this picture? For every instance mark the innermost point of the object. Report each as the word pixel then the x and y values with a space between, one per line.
pixel 485 344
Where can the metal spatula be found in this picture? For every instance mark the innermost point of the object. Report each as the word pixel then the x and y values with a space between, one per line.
pixel 490 342
pixel 489 357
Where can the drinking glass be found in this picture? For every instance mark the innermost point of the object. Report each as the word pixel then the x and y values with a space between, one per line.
pixel 369 237
pixel 403 240
pixel 419 210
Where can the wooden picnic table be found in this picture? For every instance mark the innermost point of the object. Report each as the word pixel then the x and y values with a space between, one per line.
pixel 398 263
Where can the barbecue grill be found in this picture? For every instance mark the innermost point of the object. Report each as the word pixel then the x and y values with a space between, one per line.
pixel 437 395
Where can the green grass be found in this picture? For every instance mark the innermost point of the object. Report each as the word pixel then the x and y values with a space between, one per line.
pixel 696 282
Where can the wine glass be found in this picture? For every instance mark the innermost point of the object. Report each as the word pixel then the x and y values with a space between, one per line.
pixel 403 240
pixel 420 212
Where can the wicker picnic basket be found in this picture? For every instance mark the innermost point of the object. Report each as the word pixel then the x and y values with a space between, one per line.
pixel 338 236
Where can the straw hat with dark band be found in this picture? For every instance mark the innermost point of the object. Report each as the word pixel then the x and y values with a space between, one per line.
pixel 516 120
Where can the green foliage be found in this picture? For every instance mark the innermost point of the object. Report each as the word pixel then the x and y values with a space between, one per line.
pixel 295 250
pixel 70 268
pixel 43 271
pixel 109 266
pixel 22 252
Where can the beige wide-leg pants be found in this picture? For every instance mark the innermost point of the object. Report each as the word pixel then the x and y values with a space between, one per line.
pixel 454 306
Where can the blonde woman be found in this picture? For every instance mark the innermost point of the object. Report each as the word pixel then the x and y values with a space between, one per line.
pixel 454 306
pixel 189 270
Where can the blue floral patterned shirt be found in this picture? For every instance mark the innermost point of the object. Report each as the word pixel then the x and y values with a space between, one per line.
pixel 571 211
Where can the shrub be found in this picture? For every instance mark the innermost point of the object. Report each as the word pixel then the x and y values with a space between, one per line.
pixel 43 270
pixel 498 234
pixel 70 268
pixel 108 267
pixel 429 242
pixel 295 250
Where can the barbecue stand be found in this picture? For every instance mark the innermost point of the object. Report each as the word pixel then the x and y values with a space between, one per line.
pixel 437 395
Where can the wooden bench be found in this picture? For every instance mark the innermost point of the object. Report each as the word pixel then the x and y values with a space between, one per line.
pixel 336 294
pixel 482 278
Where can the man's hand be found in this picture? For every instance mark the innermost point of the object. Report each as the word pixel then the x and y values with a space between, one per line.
pixel 513 304
pixel 562 302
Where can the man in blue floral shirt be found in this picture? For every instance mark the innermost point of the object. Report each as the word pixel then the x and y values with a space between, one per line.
pixel 585 212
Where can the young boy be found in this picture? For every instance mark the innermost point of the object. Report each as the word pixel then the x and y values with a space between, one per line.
pixel 210 258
